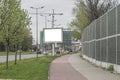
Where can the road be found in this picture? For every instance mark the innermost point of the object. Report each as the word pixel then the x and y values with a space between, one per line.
pixel 12 57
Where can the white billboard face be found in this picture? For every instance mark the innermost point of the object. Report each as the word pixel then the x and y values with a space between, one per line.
pixel 52 35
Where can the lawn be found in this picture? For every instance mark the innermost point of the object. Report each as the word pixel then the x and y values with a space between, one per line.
pixel 28 69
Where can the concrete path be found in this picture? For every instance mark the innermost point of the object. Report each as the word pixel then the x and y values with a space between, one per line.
pixel 90 71
pixel 61 70
pixel 12 57
pixel 72 67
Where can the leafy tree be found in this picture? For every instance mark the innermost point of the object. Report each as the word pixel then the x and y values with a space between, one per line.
pixel 97 8
pixel 13 22
pixel 27 42
pixel 76 34
pixel 87 11
pixel 81 19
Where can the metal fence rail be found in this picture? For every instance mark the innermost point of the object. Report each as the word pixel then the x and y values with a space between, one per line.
pixel 101 39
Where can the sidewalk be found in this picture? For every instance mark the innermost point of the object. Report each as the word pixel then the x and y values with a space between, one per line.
pixel 72 67
pixel 90 71
pixel 61 70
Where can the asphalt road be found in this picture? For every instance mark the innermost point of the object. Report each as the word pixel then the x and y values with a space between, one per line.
pixel 12 57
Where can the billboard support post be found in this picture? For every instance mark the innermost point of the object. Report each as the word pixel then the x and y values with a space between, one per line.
pixel 53 49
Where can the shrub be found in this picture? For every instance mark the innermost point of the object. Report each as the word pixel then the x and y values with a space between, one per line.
pixel 110 68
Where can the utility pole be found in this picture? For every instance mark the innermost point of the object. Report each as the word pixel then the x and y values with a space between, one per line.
pixel 46 15
pixel 37 46
pixel 53 19
pixel 53 15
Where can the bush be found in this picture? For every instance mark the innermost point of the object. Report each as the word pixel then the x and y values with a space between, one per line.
pixel 110 68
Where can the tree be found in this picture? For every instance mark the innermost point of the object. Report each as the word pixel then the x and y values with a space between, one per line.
pixel 76 35
pixel 27 42
pixel 97 8
pixel 81 19
pixel 13 21
pixel 87 11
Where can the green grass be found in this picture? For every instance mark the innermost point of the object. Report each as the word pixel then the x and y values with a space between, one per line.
pixel 13 53
pixel 28 69
pixel 4 53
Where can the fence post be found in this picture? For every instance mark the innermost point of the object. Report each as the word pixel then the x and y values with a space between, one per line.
pixel 116 39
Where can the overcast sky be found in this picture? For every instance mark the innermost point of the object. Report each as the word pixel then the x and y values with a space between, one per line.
pixel 60 6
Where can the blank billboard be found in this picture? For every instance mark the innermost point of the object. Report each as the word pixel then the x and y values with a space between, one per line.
pixel 52 35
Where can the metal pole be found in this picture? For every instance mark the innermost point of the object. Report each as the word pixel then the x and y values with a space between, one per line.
pixel 53 19
pixel 45 21
pixel 116 41
pixel 53 47
pixel 100 44
pixel 107 40
pixel 95 43
pixel 37 47
pixel 37 31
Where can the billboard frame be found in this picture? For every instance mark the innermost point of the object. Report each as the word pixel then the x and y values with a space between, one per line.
pixel 53 41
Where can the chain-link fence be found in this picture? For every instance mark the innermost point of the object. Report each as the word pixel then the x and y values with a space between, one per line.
pixel 101 39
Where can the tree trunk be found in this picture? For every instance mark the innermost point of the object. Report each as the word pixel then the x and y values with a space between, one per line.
pixel 16 55
pixel 20 56
pixel 20 51
pixel 7 56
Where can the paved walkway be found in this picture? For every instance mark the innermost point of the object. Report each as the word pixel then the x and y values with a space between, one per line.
pixel 72 67
pixel 61 69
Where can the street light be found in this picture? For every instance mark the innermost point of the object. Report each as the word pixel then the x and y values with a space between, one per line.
pixel 37 26
pixel 37 7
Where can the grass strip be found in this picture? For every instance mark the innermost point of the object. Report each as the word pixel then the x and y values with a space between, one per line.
pixel 27 69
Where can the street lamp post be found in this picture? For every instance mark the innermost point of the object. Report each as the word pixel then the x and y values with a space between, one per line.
pixel 52 14
pixel 37 47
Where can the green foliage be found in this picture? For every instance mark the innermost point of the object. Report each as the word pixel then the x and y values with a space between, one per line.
pixel 81 19
pixel 76 34
pixel 28 69
pixel 14 22
pixel 110 68
pixel 87 11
